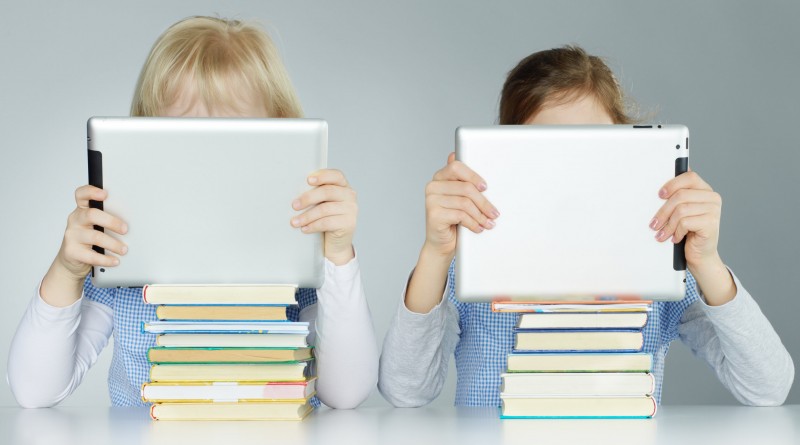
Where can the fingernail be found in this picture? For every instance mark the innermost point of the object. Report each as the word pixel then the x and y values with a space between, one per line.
pixel 305 229
pixel 659 235
pixel 662 193
pixel 495 214
pixel 124 250
pixel 124 228
pixel 116 262
pixel 482 187
pixel 654 223
pixel 295 222
pixel 490 224
pixel 312 179
pixel 296 204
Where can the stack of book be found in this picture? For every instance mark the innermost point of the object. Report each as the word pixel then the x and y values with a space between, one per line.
pixel 578 361
pixel 227 352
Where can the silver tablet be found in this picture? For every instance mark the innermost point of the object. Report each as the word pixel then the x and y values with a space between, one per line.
pixel 575 203
pixel 208 200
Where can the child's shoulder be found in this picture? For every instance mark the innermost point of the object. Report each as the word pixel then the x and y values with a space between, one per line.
pixel 98 294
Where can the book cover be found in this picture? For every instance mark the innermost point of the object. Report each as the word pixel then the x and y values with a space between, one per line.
pixel 225 326
pixel 198 392
pixel 567 306
pixel 250 372
pixel 594 320
pixel 525 407
pixel 233 340
pixel 219 294
pixel 610 384
pixel 231 411
pixel 250 312
pixel 579 362
pixel 164 354
pixel 578 340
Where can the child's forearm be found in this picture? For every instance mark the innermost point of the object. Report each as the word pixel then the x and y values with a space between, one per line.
pixel 427 283
pixel 53 348
pixel 715 281
pixel 416 352
pixel 345 346
pixel 60 288
pixel 742 347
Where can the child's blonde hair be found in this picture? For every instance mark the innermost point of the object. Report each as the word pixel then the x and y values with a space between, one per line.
pixel 221 60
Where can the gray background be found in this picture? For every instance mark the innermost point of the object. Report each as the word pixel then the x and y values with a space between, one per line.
pixel 394 79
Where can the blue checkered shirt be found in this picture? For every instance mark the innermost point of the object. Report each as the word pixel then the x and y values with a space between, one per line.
pixel 129 365
pixel 488 337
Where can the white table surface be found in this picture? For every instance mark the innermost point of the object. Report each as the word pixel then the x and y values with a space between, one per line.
pixel 411 426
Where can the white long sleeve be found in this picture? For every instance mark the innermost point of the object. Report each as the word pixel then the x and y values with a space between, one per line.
pixel 344 338
pixel 53 349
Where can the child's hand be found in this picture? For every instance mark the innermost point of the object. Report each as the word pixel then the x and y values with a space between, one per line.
pixel 63 283
pixel 692 211
pixel 333 211
pixel 76 255
pixel 453 197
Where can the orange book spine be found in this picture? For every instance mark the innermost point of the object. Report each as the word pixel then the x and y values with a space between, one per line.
pixel 586 302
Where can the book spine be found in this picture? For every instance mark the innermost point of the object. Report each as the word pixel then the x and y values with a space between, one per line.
pixel 583 330
pixel 574 351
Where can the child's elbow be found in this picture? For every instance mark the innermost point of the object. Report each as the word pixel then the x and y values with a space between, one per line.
pixel 29 397
pixel 775 392
pixel 399 396
pixel 32 400
pixel 342 400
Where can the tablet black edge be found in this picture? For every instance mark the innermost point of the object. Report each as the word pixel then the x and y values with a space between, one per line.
pixel 96 179
pixel 679 250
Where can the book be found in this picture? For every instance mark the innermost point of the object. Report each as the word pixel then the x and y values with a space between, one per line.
pixel 564 306
pixel 222 312
pixel 577 407
pixel 228 391
pixel 219 294
pixel 231 327
pixel 594 320
pixel 270 372
pixel 578 340
pixel 163 354
pixel 231 411
pixel 233 340
pixel 577 384
pixel 579 362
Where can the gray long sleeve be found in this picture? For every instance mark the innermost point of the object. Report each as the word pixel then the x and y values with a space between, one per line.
pixel 740 344
pixel 416 351
pixel 736 339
